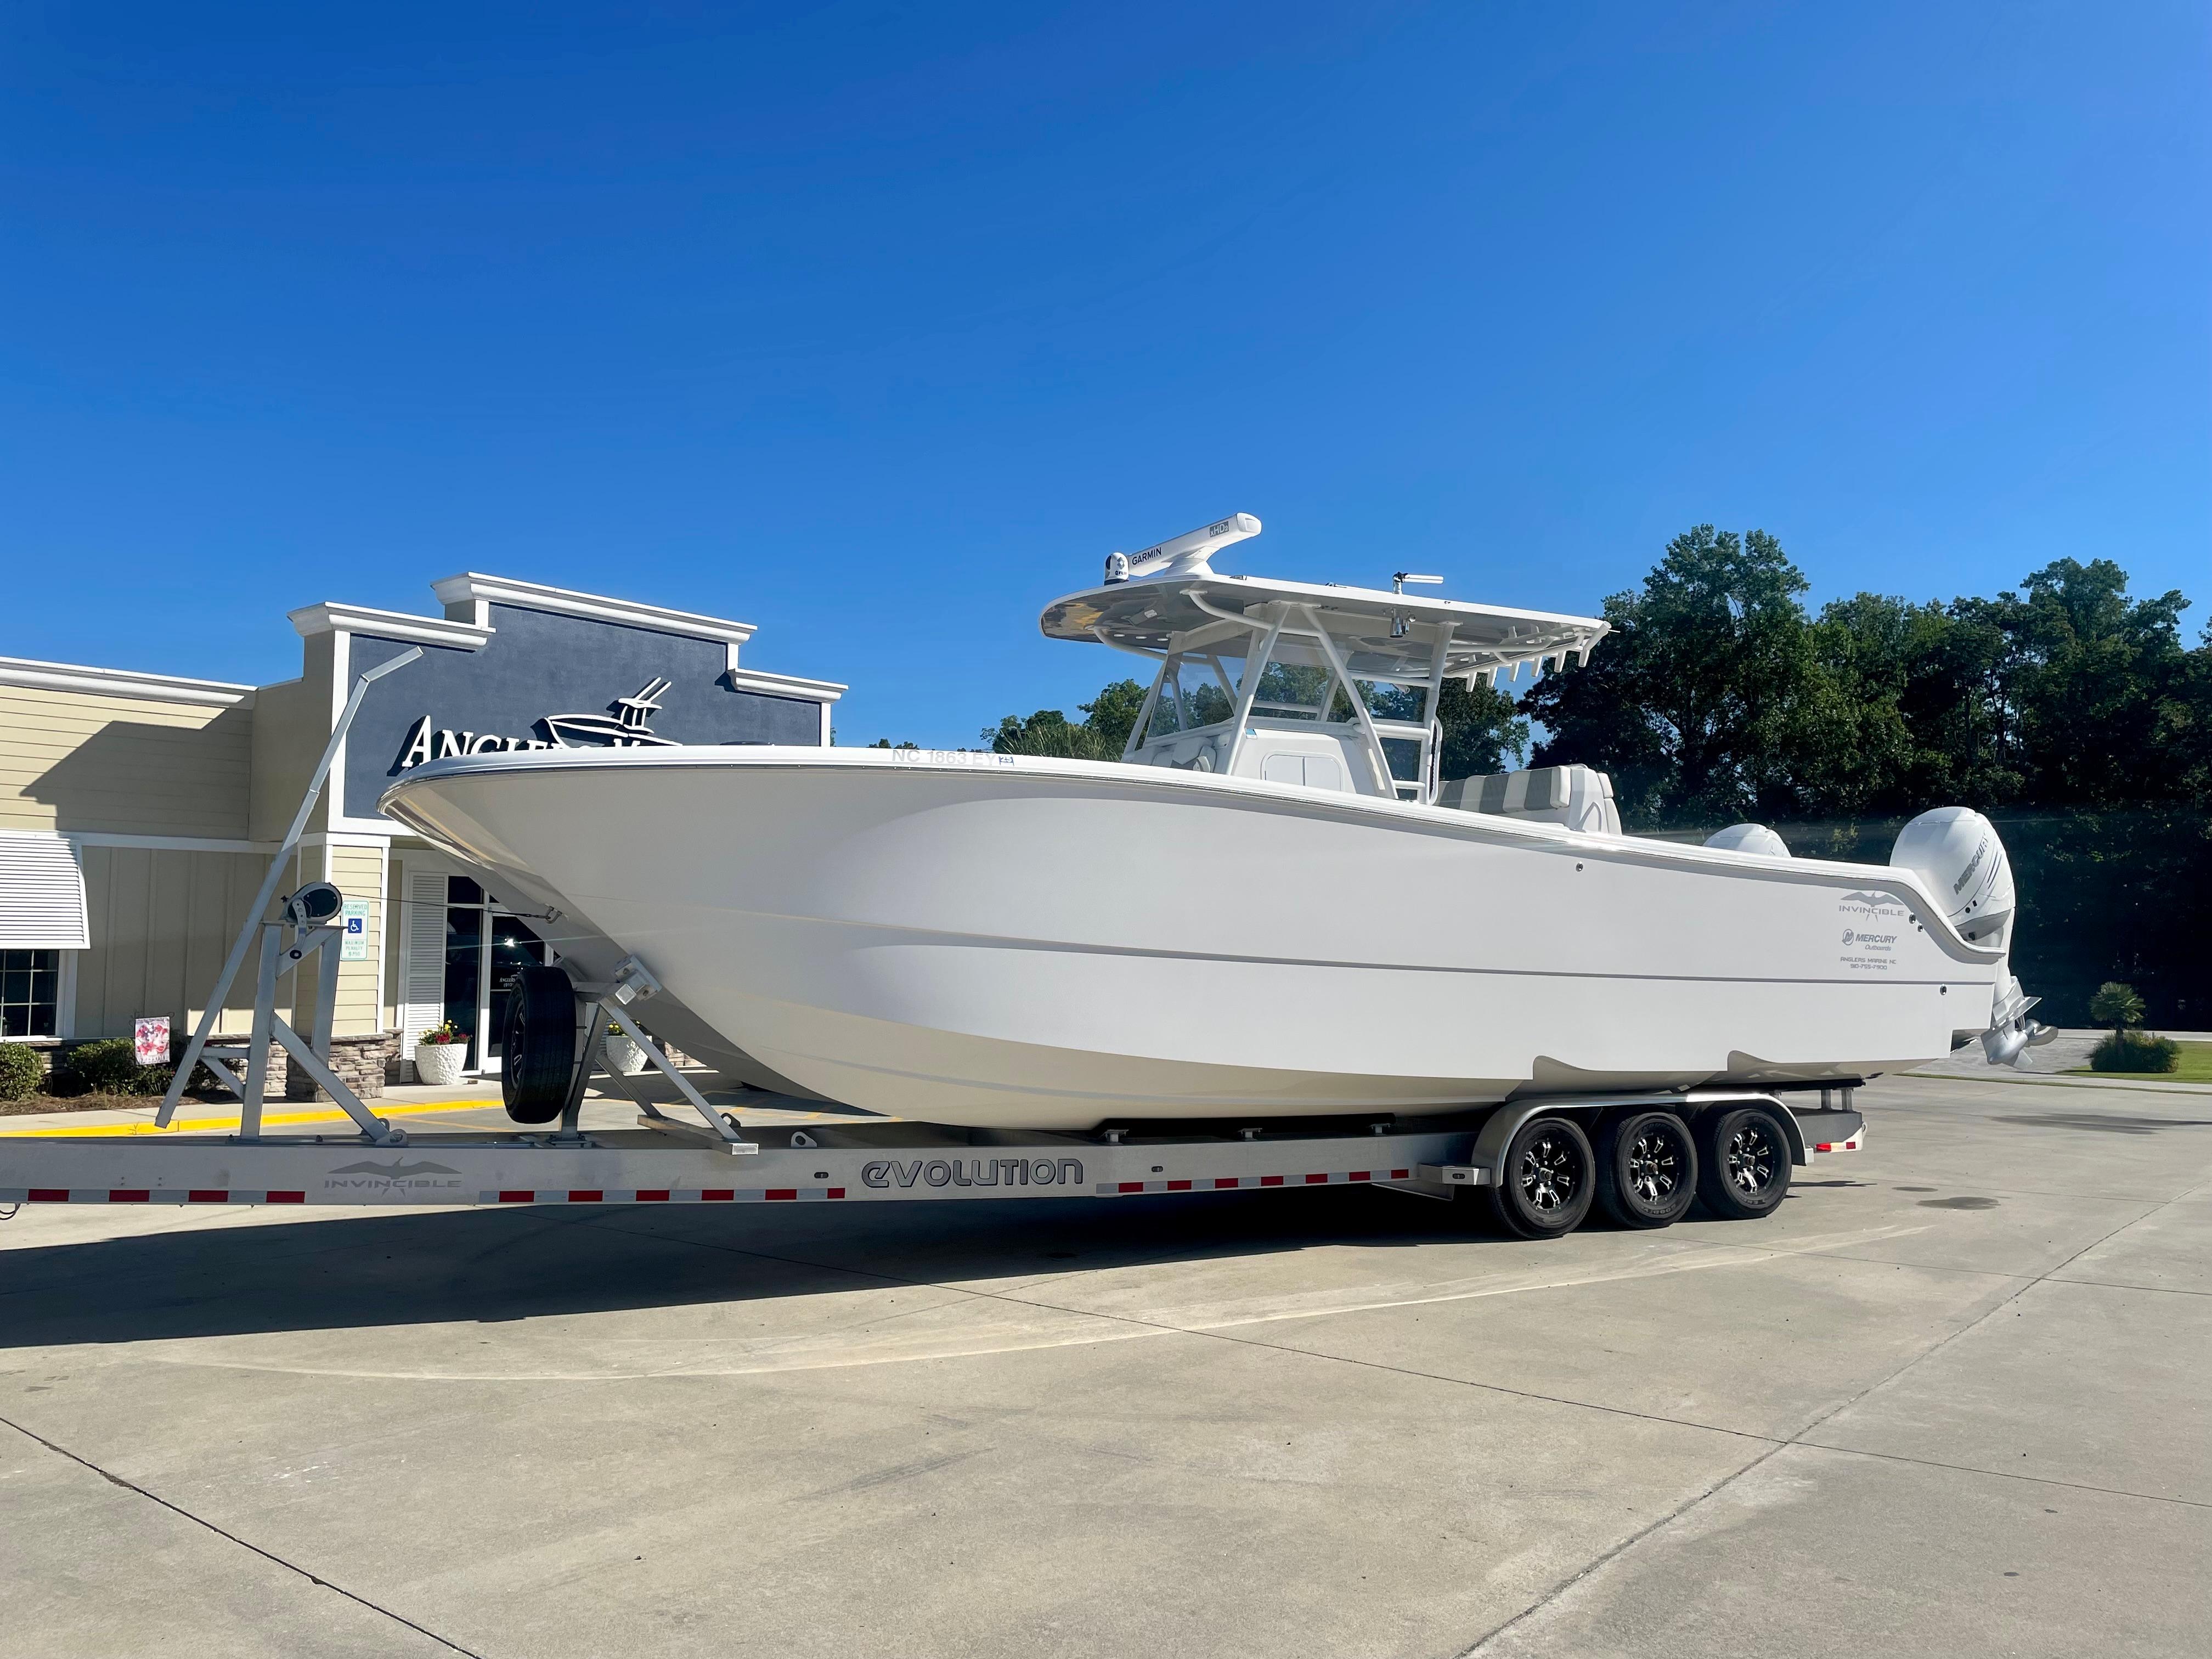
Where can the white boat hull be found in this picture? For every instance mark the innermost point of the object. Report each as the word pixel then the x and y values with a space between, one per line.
pixel 1033 944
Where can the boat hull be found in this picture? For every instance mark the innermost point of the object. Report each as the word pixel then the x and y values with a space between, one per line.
pixel 1017 943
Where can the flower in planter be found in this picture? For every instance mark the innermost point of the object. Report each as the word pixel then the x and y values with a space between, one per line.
pixel 443 1032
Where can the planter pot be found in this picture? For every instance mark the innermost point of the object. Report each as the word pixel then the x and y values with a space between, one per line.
pixel 623 1057
pixel 438 1063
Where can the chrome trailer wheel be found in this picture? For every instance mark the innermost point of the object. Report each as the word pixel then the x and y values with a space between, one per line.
pixel 1647 1169
pixel 1547 1182
pixel 1744 1155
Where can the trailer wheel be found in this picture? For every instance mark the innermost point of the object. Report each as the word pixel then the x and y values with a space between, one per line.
pixel 539 1052
pixel 1647 1169
pixel 1744 1159
pixel 1546 1181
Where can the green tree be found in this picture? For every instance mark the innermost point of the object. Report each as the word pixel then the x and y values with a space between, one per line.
pixel 2116 1006
pixel 2101 685
pixel 1112 715
pixel 1483 731
pixel 1696 701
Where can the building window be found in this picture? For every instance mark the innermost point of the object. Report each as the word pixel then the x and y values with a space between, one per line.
pixel 30 993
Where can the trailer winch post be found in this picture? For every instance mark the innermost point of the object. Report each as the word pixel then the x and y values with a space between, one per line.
pixel 257 1061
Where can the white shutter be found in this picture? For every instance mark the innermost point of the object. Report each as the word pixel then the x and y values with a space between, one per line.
pixel 421 956
pixel 41 893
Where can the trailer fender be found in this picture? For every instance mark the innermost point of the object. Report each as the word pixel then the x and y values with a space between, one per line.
pixel 1501 1126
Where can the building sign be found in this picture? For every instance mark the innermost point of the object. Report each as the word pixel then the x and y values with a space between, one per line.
pixel 354 947
pixel 622 727
pixel 546 680
pixel 150 1038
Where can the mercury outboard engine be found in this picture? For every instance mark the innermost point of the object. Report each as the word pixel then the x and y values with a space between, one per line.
pixel 1956 852
pixel 1749 838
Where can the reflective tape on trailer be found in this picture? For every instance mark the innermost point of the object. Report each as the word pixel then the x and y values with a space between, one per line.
pixel 144 1195
pixel 570 1195
pixel 1233 1183
pixel 663 1195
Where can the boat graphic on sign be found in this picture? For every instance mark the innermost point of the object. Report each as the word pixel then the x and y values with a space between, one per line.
pixel 625 728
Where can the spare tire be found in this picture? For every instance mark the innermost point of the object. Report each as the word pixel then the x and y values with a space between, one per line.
pixel 538 1047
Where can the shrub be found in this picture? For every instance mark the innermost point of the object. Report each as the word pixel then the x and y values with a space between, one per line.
pixel 2135 1051
pixel 21 1075
pixel 105 1067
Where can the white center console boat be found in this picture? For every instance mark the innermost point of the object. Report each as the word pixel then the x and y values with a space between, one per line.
pixel 1272 907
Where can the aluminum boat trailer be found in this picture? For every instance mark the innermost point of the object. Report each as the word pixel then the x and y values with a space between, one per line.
pixel 1535 1166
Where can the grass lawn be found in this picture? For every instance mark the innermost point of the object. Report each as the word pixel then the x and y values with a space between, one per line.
pixel 2195 1066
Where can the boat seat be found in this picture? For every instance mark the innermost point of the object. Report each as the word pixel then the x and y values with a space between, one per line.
pixel 1579 797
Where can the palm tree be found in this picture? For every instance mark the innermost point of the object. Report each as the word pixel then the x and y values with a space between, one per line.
pixel 2116 1006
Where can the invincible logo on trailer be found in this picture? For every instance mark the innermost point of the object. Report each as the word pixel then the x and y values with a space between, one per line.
pixel 398 1175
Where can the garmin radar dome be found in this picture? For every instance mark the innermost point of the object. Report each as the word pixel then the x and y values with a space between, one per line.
pixel 1185 555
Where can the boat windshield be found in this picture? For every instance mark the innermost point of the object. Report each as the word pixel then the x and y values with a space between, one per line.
pixel 1198 688
pixel 1266 679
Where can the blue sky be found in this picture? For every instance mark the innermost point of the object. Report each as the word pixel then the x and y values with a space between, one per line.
pixel 878 324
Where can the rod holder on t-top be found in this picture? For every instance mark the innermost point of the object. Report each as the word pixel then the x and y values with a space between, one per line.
pixel 303 928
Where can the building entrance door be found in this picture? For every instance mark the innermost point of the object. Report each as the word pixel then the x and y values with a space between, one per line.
pixel 486 949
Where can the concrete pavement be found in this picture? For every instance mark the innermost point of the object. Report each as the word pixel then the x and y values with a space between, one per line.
pixel 1950 1399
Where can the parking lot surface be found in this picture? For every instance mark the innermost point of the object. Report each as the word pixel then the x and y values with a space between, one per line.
pixel 1950 1399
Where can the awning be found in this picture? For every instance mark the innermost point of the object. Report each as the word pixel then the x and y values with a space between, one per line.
pixel 41 893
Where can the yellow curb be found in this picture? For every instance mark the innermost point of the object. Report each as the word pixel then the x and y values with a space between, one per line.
pixel 269 1120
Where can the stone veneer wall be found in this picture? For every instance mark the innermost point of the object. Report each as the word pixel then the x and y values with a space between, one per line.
pixel 360 1062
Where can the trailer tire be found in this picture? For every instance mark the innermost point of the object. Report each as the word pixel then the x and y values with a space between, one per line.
pixel 1647 1169
pixel 538 1054
pixel 1743 1156
pixel 1546 1180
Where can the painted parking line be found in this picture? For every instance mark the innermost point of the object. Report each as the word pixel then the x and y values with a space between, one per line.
pixel 269 1120
pixel 332 1114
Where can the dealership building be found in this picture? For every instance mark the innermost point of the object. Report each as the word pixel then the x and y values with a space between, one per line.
pixel 138 812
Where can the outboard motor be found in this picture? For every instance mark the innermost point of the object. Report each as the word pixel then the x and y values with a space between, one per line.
pixel 1749 838
pixel 1955 851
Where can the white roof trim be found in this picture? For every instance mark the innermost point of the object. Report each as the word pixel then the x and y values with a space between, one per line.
pixel 122 683
pixel 41 893
pixel 784 685
pixel 473 588
pixel 331 616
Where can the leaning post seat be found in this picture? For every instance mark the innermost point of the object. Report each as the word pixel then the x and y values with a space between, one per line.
pixel 1576 796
